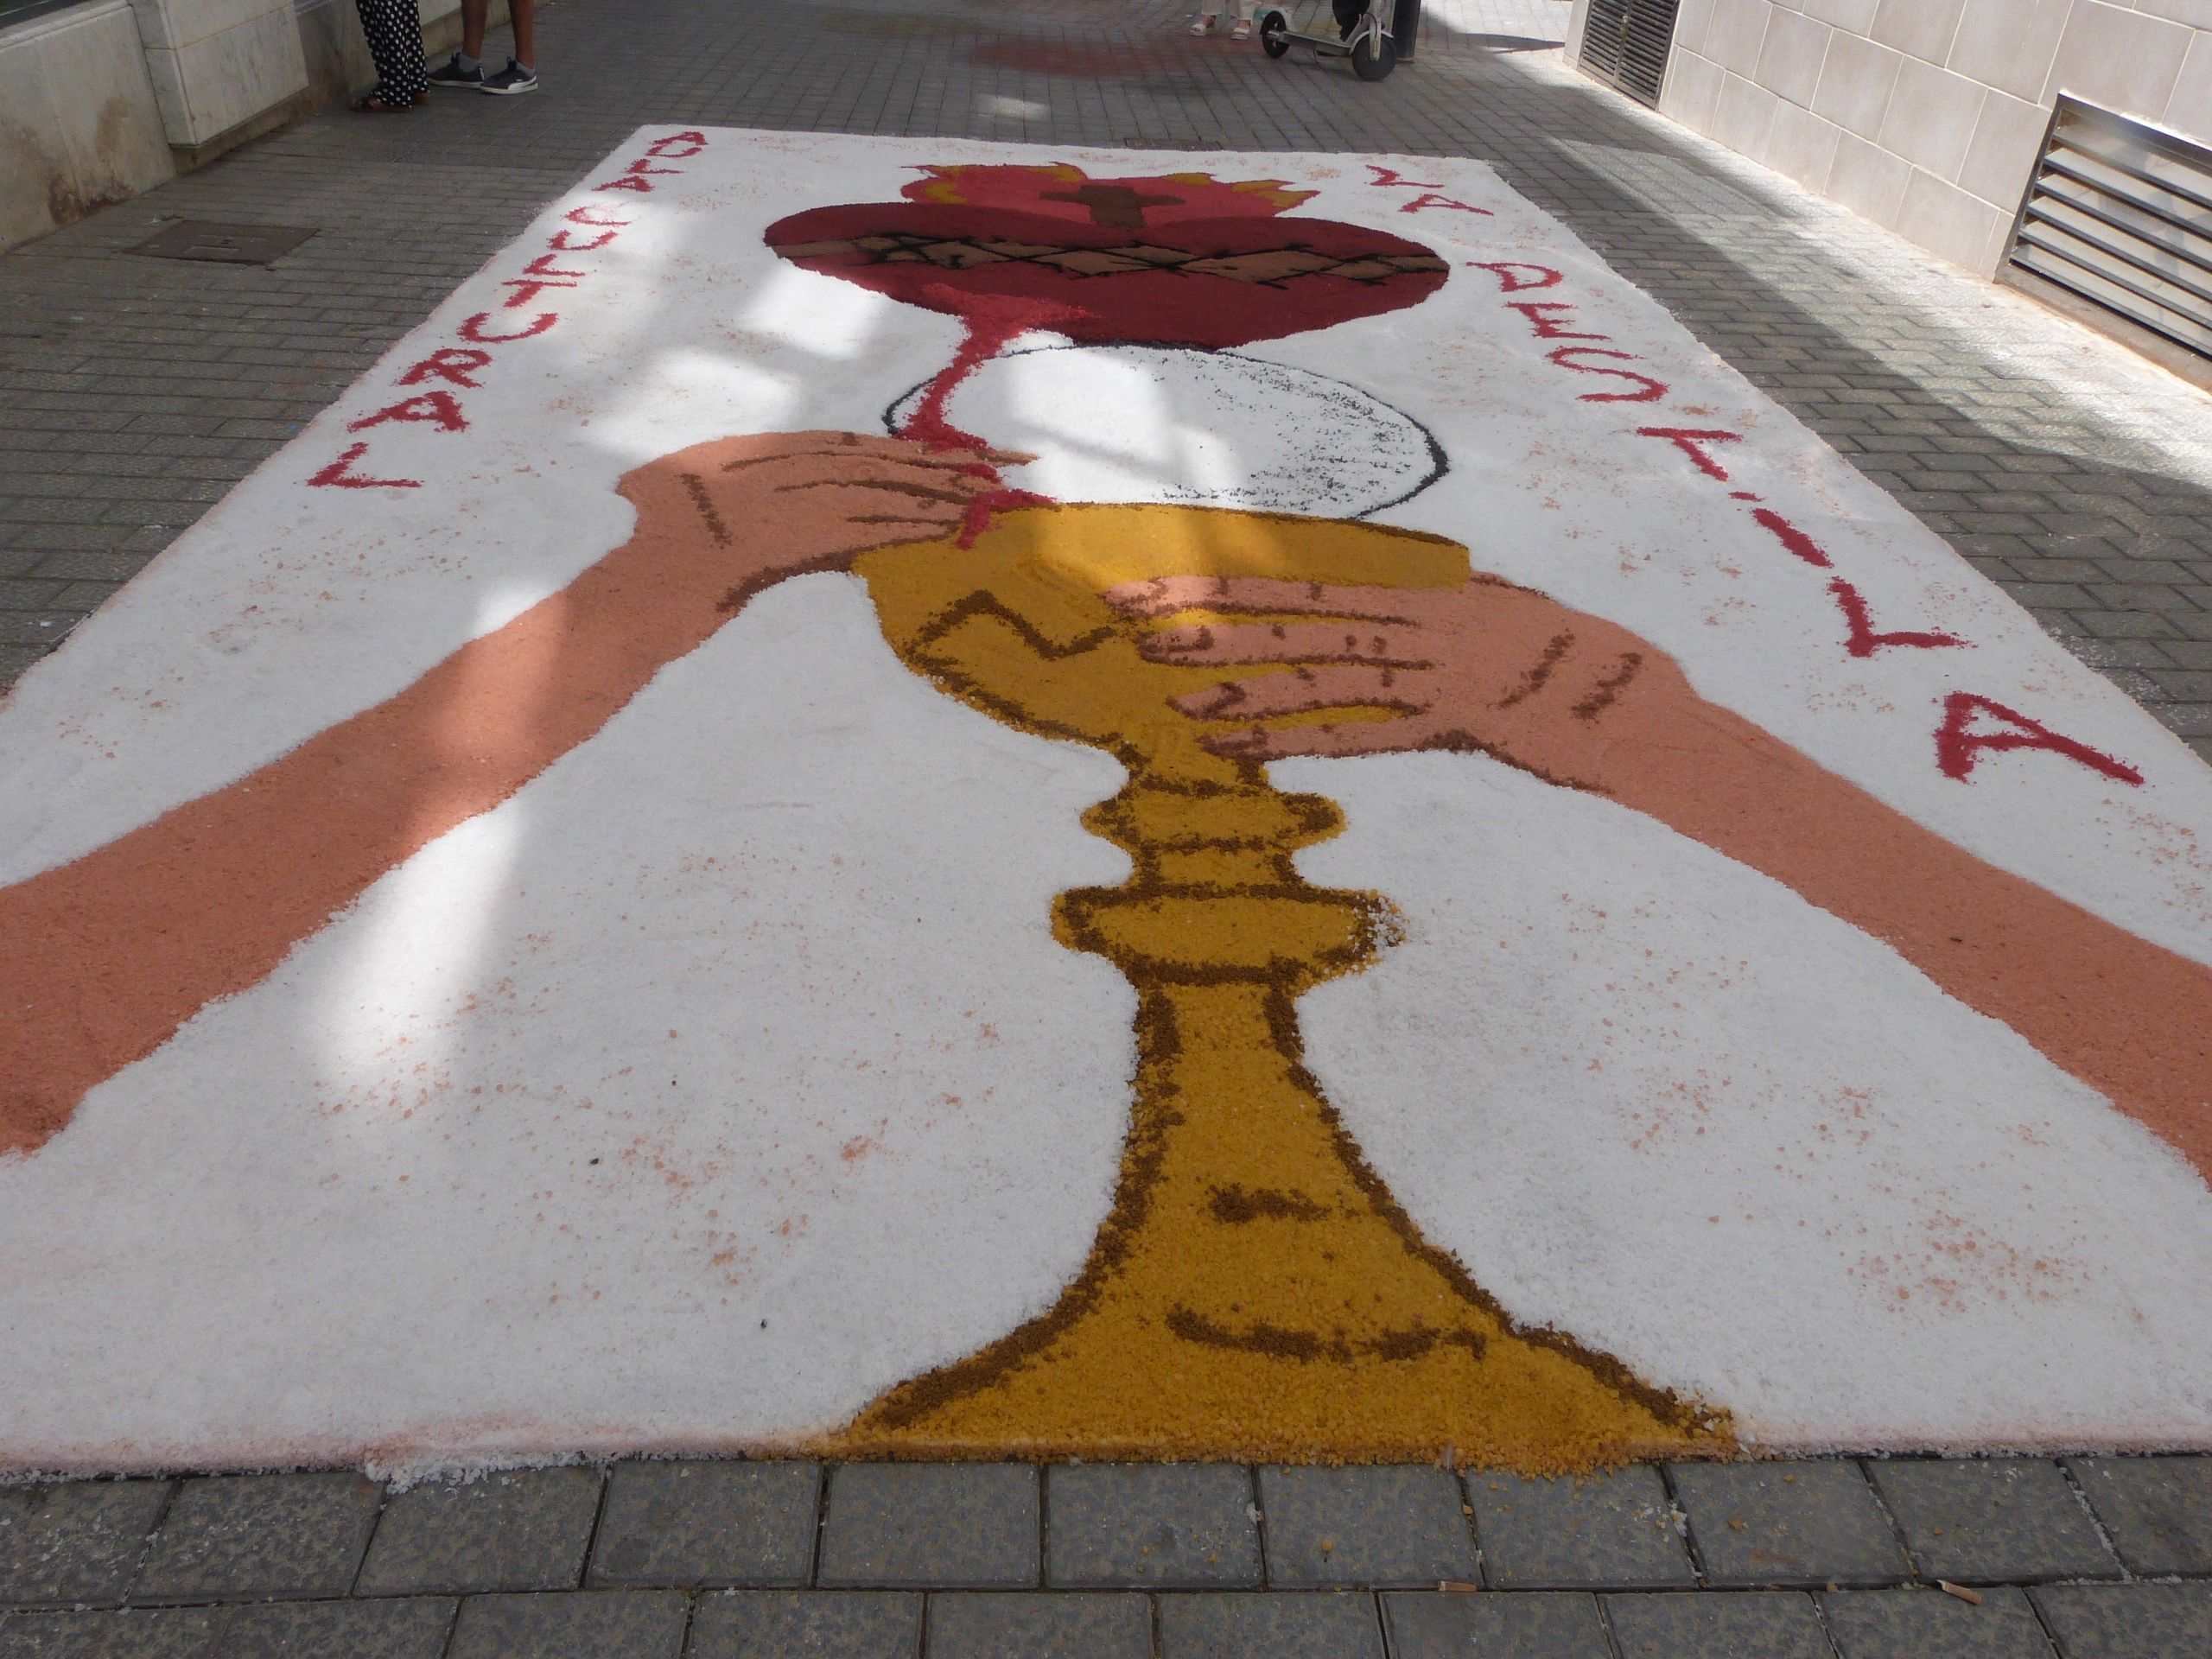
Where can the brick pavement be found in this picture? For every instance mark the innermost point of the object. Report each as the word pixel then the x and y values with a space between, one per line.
pixel 2096 1558
pixel 133 392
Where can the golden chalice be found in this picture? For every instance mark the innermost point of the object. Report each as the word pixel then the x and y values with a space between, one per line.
pixel 1255 1292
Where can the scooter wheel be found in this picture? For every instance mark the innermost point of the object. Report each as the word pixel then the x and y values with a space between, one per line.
pixel 1274 29
pixel 1374 57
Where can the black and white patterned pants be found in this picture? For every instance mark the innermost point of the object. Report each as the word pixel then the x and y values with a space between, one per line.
pixel 395 32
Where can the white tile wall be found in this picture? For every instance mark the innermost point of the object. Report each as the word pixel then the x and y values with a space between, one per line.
pixel 79 125
pixel 1928 115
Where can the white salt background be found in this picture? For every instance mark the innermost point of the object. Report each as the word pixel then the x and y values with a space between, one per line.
pixel 299 1232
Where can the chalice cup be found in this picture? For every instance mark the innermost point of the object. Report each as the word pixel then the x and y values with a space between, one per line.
pixel 1256 1292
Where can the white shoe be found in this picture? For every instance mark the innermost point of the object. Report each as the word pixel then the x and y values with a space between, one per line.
pixel 1205 25
pixel 1241 32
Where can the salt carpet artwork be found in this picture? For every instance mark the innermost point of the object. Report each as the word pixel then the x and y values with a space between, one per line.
pixel 914 798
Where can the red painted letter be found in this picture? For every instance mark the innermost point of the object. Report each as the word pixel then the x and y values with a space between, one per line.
pixel 561 243
pixel 341 475
pixel 1863 641
pixel 473 328
pixel 1788 534
pixel 677 145
pixel 583 216
pixel 1432 199
pixel 542 266
pixel 437 408
pixel 1691 443
pixel 1956 747
pixel 1649 390
pixel 1390 175
pixel 1551 328
pixel 526 289
pixel 454 362
pixel 1509 284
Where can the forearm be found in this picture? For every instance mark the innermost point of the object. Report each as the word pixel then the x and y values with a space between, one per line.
pixel 2129 1018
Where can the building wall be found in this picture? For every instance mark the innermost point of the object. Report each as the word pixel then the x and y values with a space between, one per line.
pixel 102 100
pixel 1927 115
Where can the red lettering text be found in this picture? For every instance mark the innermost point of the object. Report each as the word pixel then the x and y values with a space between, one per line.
pixel 1692 441
pixel 1551 328
pixel 1793 539
pixel 1957 749
pixel 583 216
pixel 1511 283
pixel 473 328
pixel 1648 389
pixel 540 267
pixel 438 409
pixel 677 145
pixel 1430 199
pixel 561 243
pixel 1390 175
pixel 1863 641
pixel 341 475
pixel 454 362
pixel 526 289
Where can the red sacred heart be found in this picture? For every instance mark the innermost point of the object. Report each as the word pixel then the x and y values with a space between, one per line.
pixel 1181 260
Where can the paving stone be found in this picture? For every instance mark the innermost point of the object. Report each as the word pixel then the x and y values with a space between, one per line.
pixel 806 1625
pixel 523 1529
pixel 706 1524
pixel 1381 1525
pixel 1992 1520
pixel 1279 1624
pixel 1099 1626
pixel 75 1543
pixel 578 1624
pixel 1612 1531
pixel 936 1526
pixel 415 1628
pixel 1536 1625
pixel 1923 1624
pixel 133 1633
pixel 241 1536
pixel 1718 1625
pixel 2127 1621
pixel 1150 1526
pixel 2159 1510
pixel 1787 1523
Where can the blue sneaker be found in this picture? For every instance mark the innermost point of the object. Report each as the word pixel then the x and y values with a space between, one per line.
pixel 510 80
pixel 450 74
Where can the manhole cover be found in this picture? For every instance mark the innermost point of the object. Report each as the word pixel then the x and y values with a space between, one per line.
pixel 228 244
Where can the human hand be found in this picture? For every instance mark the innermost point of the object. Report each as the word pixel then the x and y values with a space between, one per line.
pixel 751 511
pixel 1487 667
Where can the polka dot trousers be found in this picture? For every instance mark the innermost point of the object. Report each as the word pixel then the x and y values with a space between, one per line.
pixel 395 32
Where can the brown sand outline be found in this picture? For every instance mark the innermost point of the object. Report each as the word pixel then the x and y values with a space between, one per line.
pixel 110 953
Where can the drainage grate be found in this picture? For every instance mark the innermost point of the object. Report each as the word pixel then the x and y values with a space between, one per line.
pixel 1625 42
pixel 227 245
pixel 2119 214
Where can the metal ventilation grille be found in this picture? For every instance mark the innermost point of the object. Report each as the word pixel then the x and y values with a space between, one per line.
pixel 2120 214
pixel 1625 42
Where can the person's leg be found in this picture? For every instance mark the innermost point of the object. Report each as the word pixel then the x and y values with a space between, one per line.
pixel 524 14
pixel 474 16
pixel 394 29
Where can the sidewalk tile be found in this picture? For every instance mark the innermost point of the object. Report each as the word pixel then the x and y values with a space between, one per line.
pixel 2159 1510
pixel 1925 1623
pixel 1103 1625
pixel 240 1536
pixel 1538 1624
pixel 706 1524
pixel 2127 1621
pixel 1992 1520
pixel 134 1633
pixel 1270 1625
pixel 576 1624
pixel 1788 1523
pixel 1150 1526
pixel 1612 1531
pixel 413 1629
pixel 67 1544
pixel 806 1625
pixel 1710 1625
pixel 525 1529
pixel 1400 1526
pixel 931 1526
